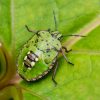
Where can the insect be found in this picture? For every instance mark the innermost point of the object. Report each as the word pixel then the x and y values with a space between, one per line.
pixel 39 55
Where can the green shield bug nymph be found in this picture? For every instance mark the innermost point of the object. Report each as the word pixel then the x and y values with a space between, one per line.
pixel 39 55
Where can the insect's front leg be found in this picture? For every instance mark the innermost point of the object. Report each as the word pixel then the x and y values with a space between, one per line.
pixel 67 51
pixel 30 30
pixel 54 73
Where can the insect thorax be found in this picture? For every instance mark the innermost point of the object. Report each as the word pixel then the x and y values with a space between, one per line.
pixel 48 40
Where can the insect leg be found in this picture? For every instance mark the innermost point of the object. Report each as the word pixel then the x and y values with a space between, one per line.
pixel 30 30
pixel 54 73
pixel 66 49
pixel 66 58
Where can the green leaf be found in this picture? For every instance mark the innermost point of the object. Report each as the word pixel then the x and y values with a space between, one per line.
pixel 11 93
pixel 80 82
pixel 5 22
pixel 7 60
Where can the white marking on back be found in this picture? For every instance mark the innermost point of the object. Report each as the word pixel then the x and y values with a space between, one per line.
pixel 28 52
pixel 36 59
pixel 25 58
pixel 32 63
pixel 46 72
pixel 33 79
pixel 50 67
pixel 29 68
pixel 40 76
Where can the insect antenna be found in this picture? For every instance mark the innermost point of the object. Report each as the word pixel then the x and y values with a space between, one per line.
pixel 55 21
pixel 74 35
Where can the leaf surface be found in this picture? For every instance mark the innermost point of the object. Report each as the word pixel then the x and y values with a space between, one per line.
pixel 79 82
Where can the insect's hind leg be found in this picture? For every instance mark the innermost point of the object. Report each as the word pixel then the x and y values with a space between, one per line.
pixel 67 51
pixel 54 73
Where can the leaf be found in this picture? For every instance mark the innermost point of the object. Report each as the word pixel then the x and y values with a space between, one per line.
pixel 80 82
pixel 5 22
pixel 10 93
pixel 7 60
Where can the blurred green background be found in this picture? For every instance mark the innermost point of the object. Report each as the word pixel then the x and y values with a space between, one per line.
pixel 80 82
